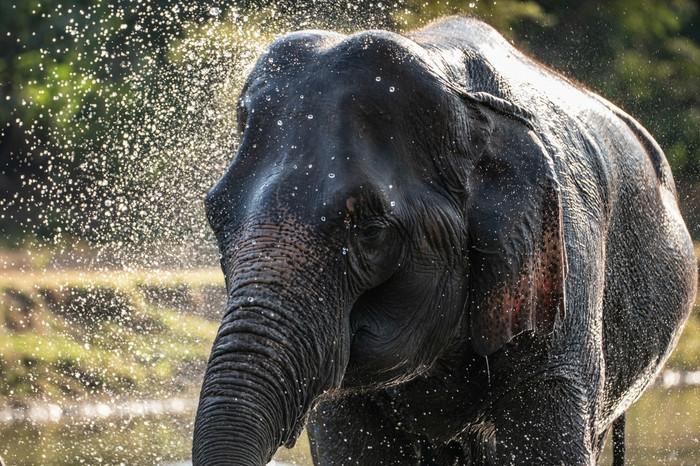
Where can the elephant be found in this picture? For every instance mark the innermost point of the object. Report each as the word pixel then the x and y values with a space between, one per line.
pixel 436 251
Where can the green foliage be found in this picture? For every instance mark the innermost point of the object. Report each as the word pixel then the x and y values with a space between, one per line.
pixel 115 117
pixel 91 102
pixel 642 55
pixel 502 15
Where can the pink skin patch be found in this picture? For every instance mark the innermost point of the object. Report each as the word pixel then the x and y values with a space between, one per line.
pixel 530 301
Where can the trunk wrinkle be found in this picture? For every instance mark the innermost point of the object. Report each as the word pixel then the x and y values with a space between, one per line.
pixel 272 344
pixel 279 347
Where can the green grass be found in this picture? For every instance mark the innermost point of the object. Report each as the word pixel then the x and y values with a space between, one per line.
pixel 74 334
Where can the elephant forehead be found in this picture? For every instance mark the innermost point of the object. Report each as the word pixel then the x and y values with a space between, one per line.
pixel 380 48
pixel 317 70
pixel 313 51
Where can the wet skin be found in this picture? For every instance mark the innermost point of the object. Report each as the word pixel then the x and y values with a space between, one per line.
pixel 440 251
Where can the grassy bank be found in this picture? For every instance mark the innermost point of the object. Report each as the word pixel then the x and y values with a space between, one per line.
pixel 76 334
pixel 72 335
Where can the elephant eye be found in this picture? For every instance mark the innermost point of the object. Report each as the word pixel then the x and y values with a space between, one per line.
pixel 372 233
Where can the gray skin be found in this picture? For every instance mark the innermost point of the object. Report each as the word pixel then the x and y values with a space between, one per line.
pixel 441 251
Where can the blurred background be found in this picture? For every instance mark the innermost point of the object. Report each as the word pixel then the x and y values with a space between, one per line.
pixel 115 119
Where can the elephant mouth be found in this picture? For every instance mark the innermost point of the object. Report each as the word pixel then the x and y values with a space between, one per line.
pixel 375 360
pixel 354 376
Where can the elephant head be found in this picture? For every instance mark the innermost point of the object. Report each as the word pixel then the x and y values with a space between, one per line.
pixel 375 216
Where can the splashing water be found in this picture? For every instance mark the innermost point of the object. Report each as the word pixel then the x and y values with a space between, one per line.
pixel 134 117
pixel 127 111
pixel 125 117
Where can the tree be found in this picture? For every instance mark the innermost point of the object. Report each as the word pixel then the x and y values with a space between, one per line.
pixel 643 55
pixel 116 115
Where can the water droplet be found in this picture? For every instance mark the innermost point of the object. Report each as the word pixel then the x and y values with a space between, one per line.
pixel 331 175
pixel 393 203
pixel 268 98
pixel 378 78
pixel 472 5
pixel 250 300
pixel 392 89
pixel 391 186
pixel 320 299
pixel 310 117
pixel 323 219
pixel 311 165
pixel 279 122
pixel 345 251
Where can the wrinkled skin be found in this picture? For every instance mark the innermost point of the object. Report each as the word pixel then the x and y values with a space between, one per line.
pixel 440 251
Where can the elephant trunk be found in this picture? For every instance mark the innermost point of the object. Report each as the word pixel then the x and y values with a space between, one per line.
pixel 271 358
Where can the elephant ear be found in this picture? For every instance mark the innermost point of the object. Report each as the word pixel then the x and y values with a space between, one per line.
pixel 517 255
